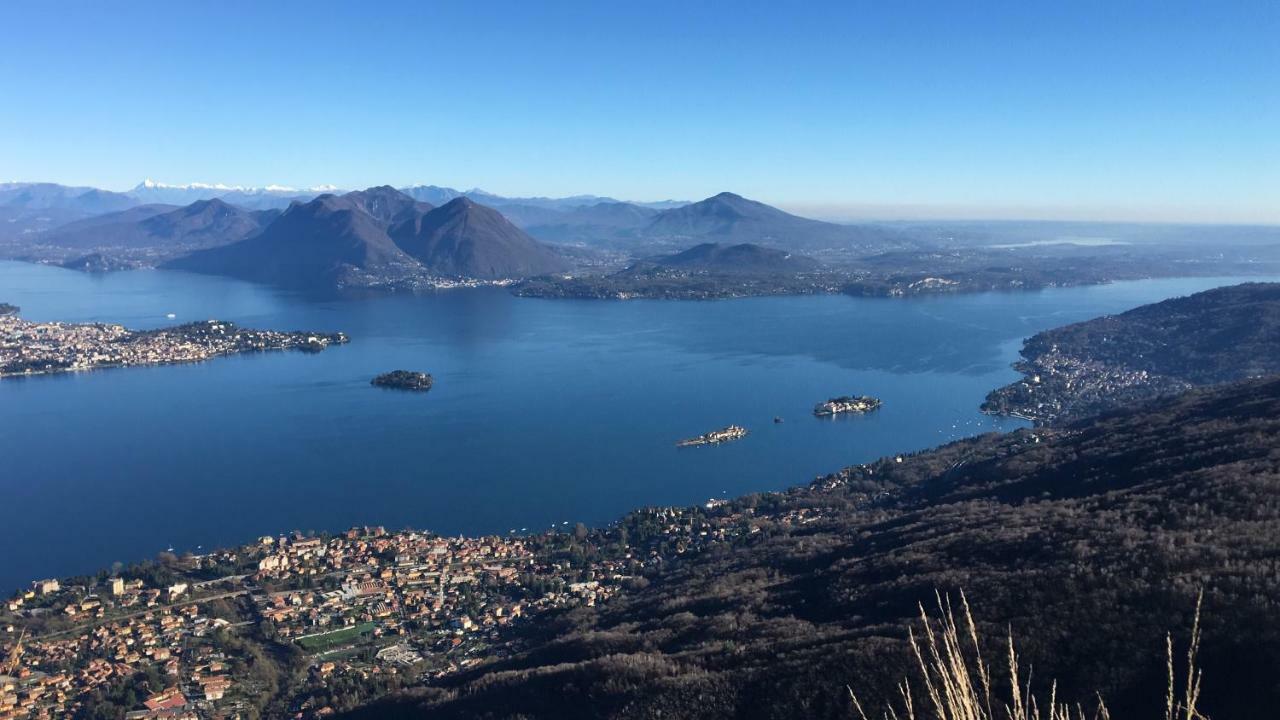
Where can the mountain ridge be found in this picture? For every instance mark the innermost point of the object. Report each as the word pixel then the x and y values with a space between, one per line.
pixel 204 223
pixel 376 237
pixel 465 238
pixel 730 218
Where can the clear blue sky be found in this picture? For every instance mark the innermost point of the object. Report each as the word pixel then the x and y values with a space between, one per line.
pixel 1155 110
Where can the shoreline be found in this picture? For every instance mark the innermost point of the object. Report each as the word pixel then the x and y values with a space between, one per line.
pixel 30 348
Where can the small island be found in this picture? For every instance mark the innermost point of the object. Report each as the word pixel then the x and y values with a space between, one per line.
pixel 847 404
pixel 7 309
pixel 715 437
pixel 404 380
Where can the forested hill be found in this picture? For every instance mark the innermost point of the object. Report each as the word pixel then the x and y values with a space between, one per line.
pixel 1089 542
pixel 1220 335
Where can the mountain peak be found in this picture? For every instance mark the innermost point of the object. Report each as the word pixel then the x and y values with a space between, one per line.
pixel 467 239
pixel 201 205
pixel 385 203
pixel 461 202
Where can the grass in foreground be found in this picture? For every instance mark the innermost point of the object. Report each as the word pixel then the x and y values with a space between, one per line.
pixel 957 682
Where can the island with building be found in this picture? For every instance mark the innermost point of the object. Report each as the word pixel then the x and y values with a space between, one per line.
pixel 7 309
pixel 404 380
pixel 37 348
pixel 715 437
pixel 847 405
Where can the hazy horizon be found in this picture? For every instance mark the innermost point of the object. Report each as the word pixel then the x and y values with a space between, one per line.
pixel 849 212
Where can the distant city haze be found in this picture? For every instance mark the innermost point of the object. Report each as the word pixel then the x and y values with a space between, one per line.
pixel 1103 111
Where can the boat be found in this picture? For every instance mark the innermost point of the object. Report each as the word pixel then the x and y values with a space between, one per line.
pixel 847 404
pixel 715 437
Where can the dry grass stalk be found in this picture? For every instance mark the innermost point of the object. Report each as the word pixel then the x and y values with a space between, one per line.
pixel 957 682
pixel 1185 708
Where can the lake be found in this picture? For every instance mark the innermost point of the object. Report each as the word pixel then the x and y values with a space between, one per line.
pixel 543 412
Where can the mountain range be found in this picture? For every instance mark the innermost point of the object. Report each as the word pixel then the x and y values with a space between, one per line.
pixel 388 237
pixel 204 223
pixel 377 237
pixel 590 220
pixel 724 218
pixel 440 195
pixel 83 201
pixel 149 191
pixel 27 209
pixel 271 196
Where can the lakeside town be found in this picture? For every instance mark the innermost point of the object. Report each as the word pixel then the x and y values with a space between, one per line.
pixel 306 626
pixel 1057 385
pixel 35 348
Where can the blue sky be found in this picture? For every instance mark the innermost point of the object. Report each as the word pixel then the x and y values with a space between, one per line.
pixel 1110 110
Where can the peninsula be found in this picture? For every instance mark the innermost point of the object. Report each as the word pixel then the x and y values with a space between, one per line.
pixel 36 348
pixel 1116 361
pixel 404 380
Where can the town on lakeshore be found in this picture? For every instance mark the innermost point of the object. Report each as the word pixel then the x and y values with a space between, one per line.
pixel 276 624
pixel 34 348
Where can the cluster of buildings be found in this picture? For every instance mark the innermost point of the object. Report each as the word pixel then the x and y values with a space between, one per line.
pixel 119 638
pixel 28 348
pixel 847 404
pixel 398 582
pixel 364 605
pixel 1058 384
pixel 715 437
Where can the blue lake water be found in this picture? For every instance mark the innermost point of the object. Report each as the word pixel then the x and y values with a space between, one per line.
pixel 543 412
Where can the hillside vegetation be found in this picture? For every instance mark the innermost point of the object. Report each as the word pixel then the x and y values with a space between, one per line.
pixel 1086 542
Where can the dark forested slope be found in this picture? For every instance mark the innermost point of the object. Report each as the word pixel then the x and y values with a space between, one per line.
pixel 1088 542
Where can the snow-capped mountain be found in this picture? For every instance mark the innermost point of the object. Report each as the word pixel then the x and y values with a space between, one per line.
pixel 272 196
